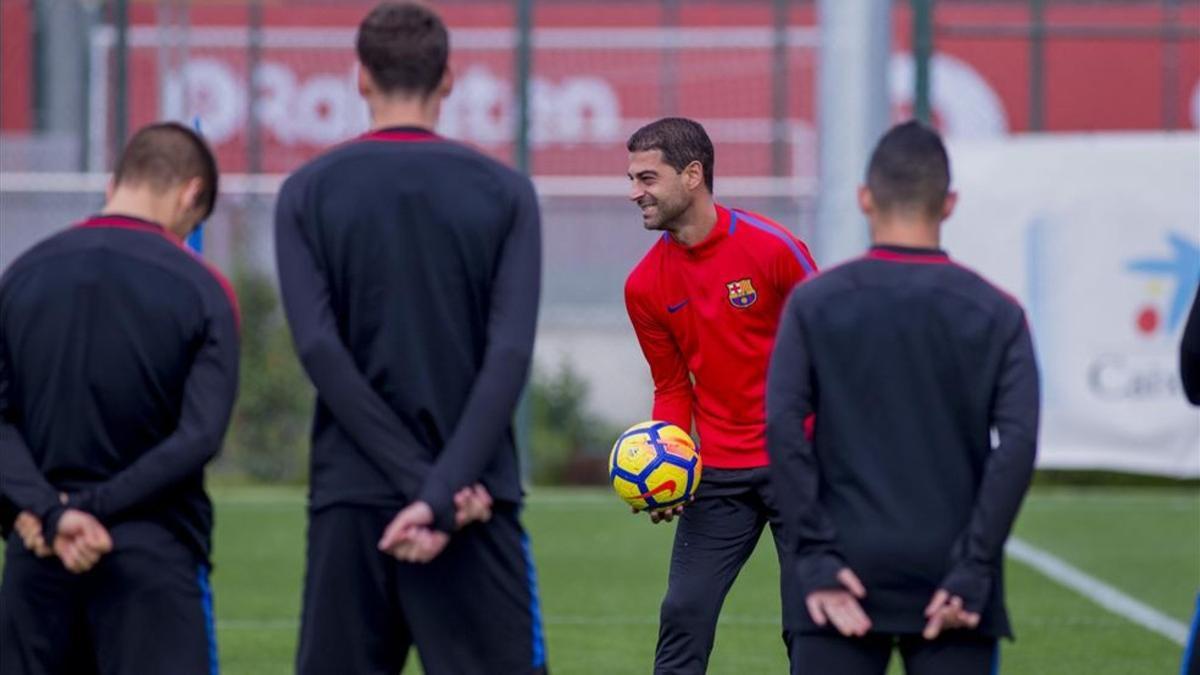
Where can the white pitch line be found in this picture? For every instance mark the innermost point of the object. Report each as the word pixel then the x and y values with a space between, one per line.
pixel 1097 591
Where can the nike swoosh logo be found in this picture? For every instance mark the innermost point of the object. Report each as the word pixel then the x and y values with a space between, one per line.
pixel 666 486
pixel 671 309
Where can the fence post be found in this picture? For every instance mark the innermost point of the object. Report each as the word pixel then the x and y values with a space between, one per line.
pixel 668 90
pixel 1170 64
pixel 522 421
pixel 121 56
pixel 853 111
pixel 779 90
pixel 1037 58
pixel 253 58
pixel 922 46
pixel 524 59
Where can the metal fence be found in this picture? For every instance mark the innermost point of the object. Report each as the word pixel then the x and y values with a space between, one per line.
pixel 555 86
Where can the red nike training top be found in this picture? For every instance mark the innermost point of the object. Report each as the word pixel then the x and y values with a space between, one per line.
pixel 706 317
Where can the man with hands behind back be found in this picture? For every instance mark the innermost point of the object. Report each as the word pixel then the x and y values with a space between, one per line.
pixel 922 382
pixel 409 267
pixel 118 372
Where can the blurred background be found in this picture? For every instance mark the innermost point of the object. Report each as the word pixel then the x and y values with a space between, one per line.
pixel 1072 125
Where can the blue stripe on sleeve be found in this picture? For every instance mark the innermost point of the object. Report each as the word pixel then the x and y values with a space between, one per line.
pixel 791 243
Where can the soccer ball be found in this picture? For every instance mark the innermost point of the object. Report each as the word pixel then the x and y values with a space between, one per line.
pixel 654 465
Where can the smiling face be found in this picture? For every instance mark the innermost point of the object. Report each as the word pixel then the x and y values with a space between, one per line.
pixel 661 192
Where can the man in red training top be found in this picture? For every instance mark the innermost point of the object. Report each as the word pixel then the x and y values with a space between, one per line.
pixel 705 302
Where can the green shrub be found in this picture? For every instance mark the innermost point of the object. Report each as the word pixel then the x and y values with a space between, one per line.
pixel 269 437
pixel 567 443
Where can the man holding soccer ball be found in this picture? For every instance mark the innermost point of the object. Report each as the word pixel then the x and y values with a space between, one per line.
pixel 705 303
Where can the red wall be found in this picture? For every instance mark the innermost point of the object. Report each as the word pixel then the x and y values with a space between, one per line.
pixel 16 65
pixel 1090 83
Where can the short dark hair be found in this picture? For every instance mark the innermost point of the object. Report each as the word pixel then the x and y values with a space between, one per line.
pixel 909 168
pixel 165 154
pixel 681 141
pixel 405 48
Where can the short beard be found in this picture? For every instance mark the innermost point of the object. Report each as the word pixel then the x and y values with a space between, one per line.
pixel 668 213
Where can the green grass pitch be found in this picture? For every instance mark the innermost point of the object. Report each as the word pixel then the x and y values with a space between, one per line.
pixel 602 573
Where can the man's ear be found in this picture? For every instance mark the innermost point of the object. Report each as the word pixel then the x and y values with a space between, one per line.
pixel 693 175
pixel 366 85
pixel 866 201
pixel 447 84
pixel 949 204
pixel 189 196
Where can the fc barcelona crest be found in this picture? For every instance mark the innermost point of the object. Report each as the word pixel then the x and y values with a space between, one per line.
pixel 741 293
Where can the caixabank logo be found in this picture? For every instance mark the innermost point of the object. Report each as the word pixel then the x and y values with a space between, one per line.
pixel 1170 281
pixel 1148 369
